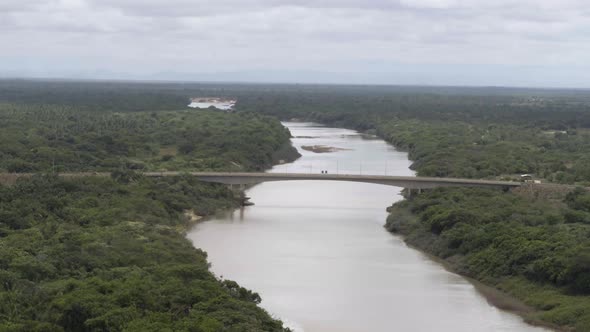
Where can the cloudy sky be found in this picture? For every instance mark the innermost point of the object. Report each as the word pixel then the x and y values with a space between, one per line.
pixel 433 42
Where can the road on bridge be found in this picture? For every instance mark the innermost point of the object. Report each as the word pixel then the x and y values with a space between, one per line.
pixel 410 182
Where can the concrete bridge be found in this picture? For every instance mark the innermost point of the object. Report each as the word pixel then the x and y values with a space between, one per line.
pixel 232 178
pixel 410 182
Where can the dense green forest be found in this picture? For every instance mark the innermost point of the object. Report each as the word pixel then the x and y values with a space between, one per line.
pixel 95 95
pixel 460 149
pixel 538 250
pixel 109 254
pixel 97 254
pixel 46 138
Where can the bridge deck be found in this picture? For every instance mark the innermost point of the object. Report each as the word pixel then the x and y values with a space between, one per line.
pixel 398 181
pixel 251 178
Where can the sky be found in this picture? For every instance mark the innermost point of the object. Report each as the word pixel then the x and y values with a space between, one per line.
pixel 539 43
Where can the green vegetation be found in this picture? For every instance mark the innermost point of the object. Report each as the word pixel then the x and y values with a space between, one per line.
pixel 457 132
pixel 102 254
pixel 109 254
pixel 45 138
pixel 95 95
pixel 94 254
pixel 535 249
pixel 459 149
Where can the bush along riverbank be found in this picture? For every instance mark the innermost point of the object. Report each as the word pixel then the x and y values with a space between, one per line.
pixel 534 250
pixel 99 254
pixel 454 132
pixel 56 138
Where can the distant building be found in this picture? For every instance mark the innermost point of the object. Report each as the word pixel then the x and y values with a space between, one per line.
pixel 224 104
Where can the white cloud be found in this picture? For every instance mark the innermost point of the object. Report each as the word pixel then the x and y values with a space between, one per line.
pixel 142 37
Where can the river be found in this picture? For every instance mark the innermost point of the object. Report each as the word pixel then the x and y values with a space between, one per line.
pixel 317 252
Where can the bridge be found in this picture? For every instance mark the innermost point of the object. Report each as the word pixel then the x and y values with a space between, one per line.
pixel 410 182
pixel 233 178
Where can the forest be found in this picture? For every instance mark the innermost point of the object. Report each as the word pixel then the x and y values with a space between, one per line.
pixel 100 254
pixel 110 254
pixel 535 249
pixel 57 138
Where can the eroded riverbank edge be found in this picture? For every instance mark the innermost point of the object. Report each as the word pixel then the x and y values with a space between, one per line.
pixel 287 153
pixel 494 296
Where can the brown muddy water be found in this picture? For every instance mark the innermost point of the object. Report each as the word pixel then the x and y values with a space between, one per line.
pixel 317 252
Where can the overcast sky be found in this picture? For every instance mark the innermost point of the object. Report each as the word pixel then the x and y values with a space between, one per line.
pixel 433 42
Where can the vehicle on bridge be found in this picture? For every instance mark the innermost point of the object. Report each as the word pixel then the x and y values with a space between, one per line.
pixel 528 178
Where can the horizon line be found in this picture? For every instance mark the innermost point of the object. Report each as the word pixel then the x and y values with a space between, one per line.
pixel 285 83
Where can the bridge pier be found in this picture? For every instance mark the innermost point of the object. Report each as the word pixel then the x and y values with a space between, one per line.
pixel 238 191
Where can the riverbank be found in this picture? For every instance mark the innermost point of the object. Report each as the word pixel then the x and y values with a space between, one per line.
pixel 99 254
pixel 495 296
pixel 497 293
pixel 501 291
pixel 488 236
pixel 318 255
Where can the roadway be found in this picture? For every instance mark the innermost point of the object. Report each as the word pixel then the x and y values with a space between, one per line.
pixel 411 182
